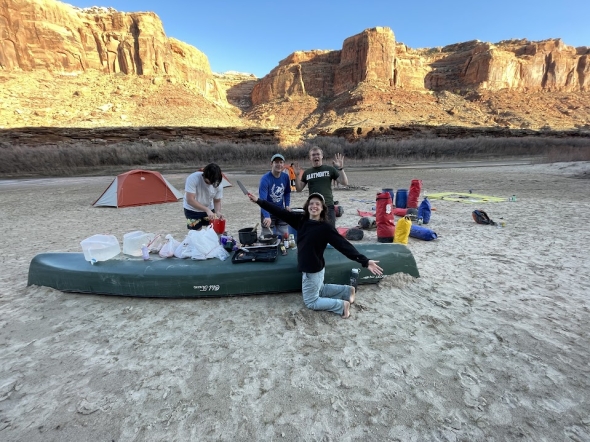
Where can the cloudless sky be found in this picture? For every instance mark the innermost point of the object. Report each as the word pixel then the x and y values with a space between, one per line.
pixel 253 36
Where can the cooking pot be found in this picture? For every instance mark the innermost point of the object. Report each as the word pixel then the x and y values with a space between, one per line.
pixel 218 225
pixel 247 236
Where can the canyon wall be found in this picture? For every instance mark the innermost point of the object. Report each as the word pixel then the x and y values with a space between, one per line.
pixel 374 56
pixel 367 56
pixel 519 65
pixel 50 35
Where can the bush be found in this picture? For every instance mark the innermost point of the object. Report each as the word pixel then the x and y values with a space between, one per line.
pixel 89 158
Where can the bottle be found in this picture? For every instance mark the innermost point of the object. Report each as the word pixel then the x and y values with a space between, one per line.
pixel 354 277
pixel 145 252
pixel 292 241
pixel 420 221
pixel 283 250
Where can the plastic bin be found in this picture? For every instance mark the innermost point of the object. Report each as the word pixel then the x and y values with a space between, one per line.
pixel 100 247
pixel 401 198
pixel 392 193
pixel 133 241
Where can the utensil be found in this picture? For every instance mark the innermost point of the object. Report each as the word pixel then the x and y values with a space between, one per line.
pixel 242 187
pixel 268 239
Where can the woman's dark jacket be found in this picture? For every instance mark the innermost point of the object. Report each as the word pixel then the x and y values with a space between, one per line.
pixel 312 239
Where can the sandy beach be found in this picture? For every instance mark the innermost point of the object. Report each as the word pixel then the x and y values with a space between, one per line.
pixel 491 343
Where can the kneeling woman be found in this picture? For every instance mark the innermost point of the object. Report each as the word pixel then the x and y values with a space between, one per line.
pixel 313 236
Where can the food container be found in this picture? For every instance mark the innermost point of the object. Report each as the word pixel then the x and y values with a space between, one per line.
pixel 133 241
pixel 100 248
pixel 218 226
pixel 247 236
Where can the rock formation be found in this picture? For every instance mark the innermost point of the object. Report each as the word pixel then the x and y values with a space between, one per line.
pixel 367 56
pixel 50 35
pixel 373 56
pixel 519 65
pixel 238 88
pixel 62 66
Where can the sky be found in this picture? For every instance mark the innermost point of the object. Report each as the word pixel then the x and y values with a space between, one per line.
pixel 253 36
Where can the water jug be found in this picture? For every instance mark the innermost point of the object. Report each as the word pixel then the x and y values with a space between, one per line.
pixel 133 241
pixel 100 248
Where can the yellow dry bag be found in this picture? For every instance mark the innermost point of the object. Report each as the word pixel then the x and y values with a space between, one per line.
pixel 402 230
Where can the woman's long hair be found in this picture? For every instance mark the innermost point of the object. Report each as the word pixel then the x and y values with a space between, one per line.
pixel 323 213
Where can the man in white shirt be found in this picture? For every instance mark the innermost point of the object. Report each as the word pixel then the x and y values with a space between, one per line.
pixel 202 197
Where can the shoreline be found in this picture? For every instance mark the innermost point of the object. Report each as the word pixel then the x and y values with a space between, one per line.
pixel 261 168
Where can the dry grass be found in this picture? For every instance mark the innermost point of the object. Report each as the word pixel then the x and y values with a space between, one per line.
pixel 86 158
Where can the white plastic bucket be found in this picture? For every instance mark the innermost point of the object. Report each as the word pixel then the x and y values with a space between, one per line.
pixel 133 241
pixel 100 247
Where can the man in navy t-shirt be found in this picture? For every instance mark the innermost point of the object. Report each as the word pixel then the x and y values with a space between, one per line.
pixel 275 187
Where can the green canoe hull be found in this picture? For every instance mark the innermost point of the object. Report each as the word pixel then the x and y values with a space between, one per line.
pixel 186 278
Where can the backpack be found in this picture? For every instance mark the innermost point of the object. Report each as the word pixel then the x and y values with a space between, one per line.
pixel 480 217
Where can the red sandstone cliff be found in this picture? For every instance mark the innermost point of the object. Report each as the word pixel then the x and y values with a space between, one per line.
pixel 50 35
pixel 71 67
pixel 367 56
pixel 518 65
pixel 373 56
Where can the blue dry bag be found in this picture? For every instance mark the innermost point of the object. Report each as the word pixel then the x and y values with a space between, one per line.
pixel 422 233
pixel 424 211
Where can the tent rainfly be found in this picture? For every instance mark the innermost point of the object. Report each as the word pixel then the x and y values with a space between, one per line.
pixel 138 188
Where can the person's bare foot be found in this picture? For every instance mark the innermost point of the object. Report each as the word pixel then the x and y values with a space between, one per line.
pixel 346 312
pixel 352 294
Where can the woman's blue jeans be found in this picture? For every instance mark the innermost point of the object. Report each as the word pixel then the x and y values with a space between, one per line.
pixel 320 296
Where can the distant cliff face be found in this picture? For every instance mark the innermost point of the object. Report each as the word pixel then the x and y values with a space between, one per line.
pixel 47 34
pixel 367 56
pixel 373 56
pixel 57 64
pixel 518 65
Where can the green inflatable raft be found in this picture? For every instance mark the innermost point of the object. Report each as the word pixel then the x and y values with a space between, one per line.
pixel 186 278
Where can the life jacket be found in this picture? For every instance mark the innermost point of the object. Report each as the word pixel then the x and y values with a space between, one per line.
pixel 292 177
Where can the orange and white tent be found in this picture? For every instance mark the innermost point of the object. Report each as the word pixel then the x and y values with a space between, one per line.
pixel 138 188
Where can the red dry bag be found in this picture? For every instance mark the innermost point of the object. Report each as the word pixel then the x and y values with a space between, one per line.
pixel 414 194
pixel 384 217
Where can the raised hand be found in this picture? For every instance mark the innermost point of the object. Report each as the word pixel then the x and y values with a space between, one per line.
pixel 338 161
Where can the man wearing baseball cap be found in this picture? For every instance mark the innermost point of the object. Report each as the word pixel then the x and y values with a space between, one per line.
pixel 275 187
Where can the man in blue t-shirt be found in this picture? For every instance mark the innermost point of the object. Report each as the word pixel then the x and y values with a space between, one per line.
pixel 275 187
